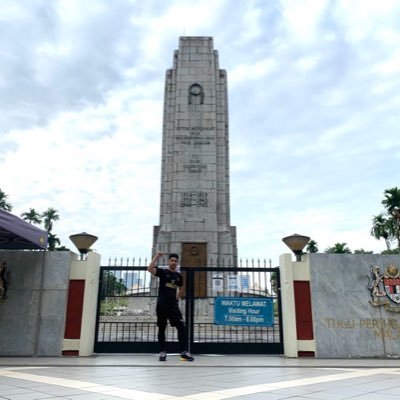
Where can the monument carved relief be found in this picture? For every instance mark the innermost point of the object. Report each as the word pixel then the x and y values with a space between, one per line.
pixel 195 165
pixel 196 94
pixel 385 287
pixel 194 138
pixel 194 199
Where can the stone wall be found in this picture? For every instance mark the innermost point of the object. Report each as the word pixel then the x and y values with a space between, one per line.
pixel 346 323
pixel 32 317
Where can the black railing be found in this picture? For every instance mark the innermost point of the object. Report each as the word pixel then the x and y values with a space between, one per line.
pixel 126 318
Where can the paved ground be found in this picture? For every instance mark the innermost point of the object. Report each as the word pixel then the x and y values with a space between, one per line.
pixel 209 377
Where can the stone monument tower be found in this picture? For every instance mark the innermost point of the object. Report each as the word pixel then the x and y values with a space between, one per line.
pixel 194 210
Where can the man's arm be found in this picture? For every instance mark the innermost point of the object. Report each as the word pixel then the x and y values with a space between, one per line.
pixel 180 293
pixel 152 266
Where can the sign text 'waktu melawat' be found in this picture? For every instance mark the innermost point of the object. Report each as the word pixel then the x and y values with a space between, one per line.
pixel 250 311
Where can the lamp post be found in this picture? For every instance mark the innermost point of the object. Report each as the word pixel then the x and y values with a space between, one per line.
pixel 296 243
pixel 82 242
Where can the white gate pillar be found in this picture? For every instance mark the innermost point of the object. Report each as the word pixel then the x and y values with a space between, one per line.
pixel 297 324
pixel 82 306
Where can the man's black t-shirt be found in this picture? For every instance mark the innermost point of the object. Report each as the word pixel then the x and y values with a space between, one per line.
pixel 169 282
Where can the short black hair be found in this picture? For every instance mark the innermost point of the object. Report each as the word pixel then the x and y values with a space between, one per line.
pixel 173 255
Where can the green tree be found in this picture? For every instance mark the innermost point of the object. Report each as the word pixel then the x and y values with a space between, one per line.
pixel 32 216
pixel 362 251
pixel 392 204
pixel 392 199
pixel 382 228
pixel 52 242
pixel 109 306
pixel 392 251
pixel 4 204
pixel 312 247
pixel 49 216
pixel 338 248
pixel 112 286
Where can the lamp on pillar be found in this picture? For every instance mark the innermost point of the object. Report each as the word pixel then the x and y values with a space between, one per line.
pixel 296 243
pixel 82 242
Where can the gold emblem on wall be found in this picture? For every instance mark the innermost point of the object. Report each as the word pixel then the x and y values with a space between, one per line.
pixel 384 287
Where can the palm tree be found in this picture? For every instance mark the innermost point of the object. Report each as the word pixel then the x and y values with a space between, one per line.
pixel 382 228
pixel 32 216
pixel 339 248
pixel 52 241
pixel 392 204
pixel 49 216
pixel 392 199
pixel 4 204
pixel 312 246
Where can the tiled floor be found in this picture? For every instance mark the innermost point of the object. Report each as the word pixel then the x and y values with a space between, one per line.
pixel 143 377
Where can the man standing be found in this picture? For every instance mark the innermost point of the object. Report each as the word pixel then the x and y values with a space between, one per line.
pixel 170 289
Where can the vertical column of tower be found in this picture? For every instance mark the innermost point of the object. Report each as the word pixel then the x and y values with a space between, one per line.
pixel 225 240
pixel 195 171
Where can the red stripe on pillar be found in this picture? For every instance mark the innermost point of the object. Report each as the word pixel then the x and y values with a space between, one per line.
pixel 302 300
pixel 74 353
pixel 305 354
pixel 74 309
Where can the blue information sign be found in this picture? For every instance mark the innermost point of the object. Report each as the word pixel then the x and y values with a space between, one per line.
pixel 251 311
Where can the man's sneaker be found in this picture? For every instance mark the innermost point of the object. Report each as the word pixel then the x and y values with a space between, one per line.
pixel 163 356
pixel 185 356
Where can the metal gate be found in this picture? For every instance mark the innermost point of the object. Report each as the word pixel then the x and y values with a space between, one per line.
pixel 126 316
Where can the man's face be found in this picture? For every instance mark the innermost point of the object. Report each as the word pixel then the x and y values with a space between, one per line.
pixel 172 263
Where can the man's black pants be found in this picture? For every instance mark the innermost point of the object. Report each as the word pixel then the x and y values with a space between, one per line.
pixel 172 314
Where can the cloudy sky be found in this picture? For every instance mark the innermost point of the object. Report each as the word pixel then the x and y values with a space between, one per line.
pixel 314 97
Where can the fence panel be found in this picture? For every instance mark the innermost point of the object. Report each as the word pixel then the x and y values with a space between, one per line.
pixel 126 316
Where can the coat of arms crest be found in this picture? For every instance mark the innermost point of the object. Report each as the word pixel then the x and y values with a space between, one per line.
pixel 384 287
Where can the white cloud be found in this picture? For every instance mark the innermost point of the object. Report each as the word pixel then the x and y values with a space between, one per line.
pixel 302 18
pixel 313 102
pixel 245 72
pixel 390 66
pixel 307 63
